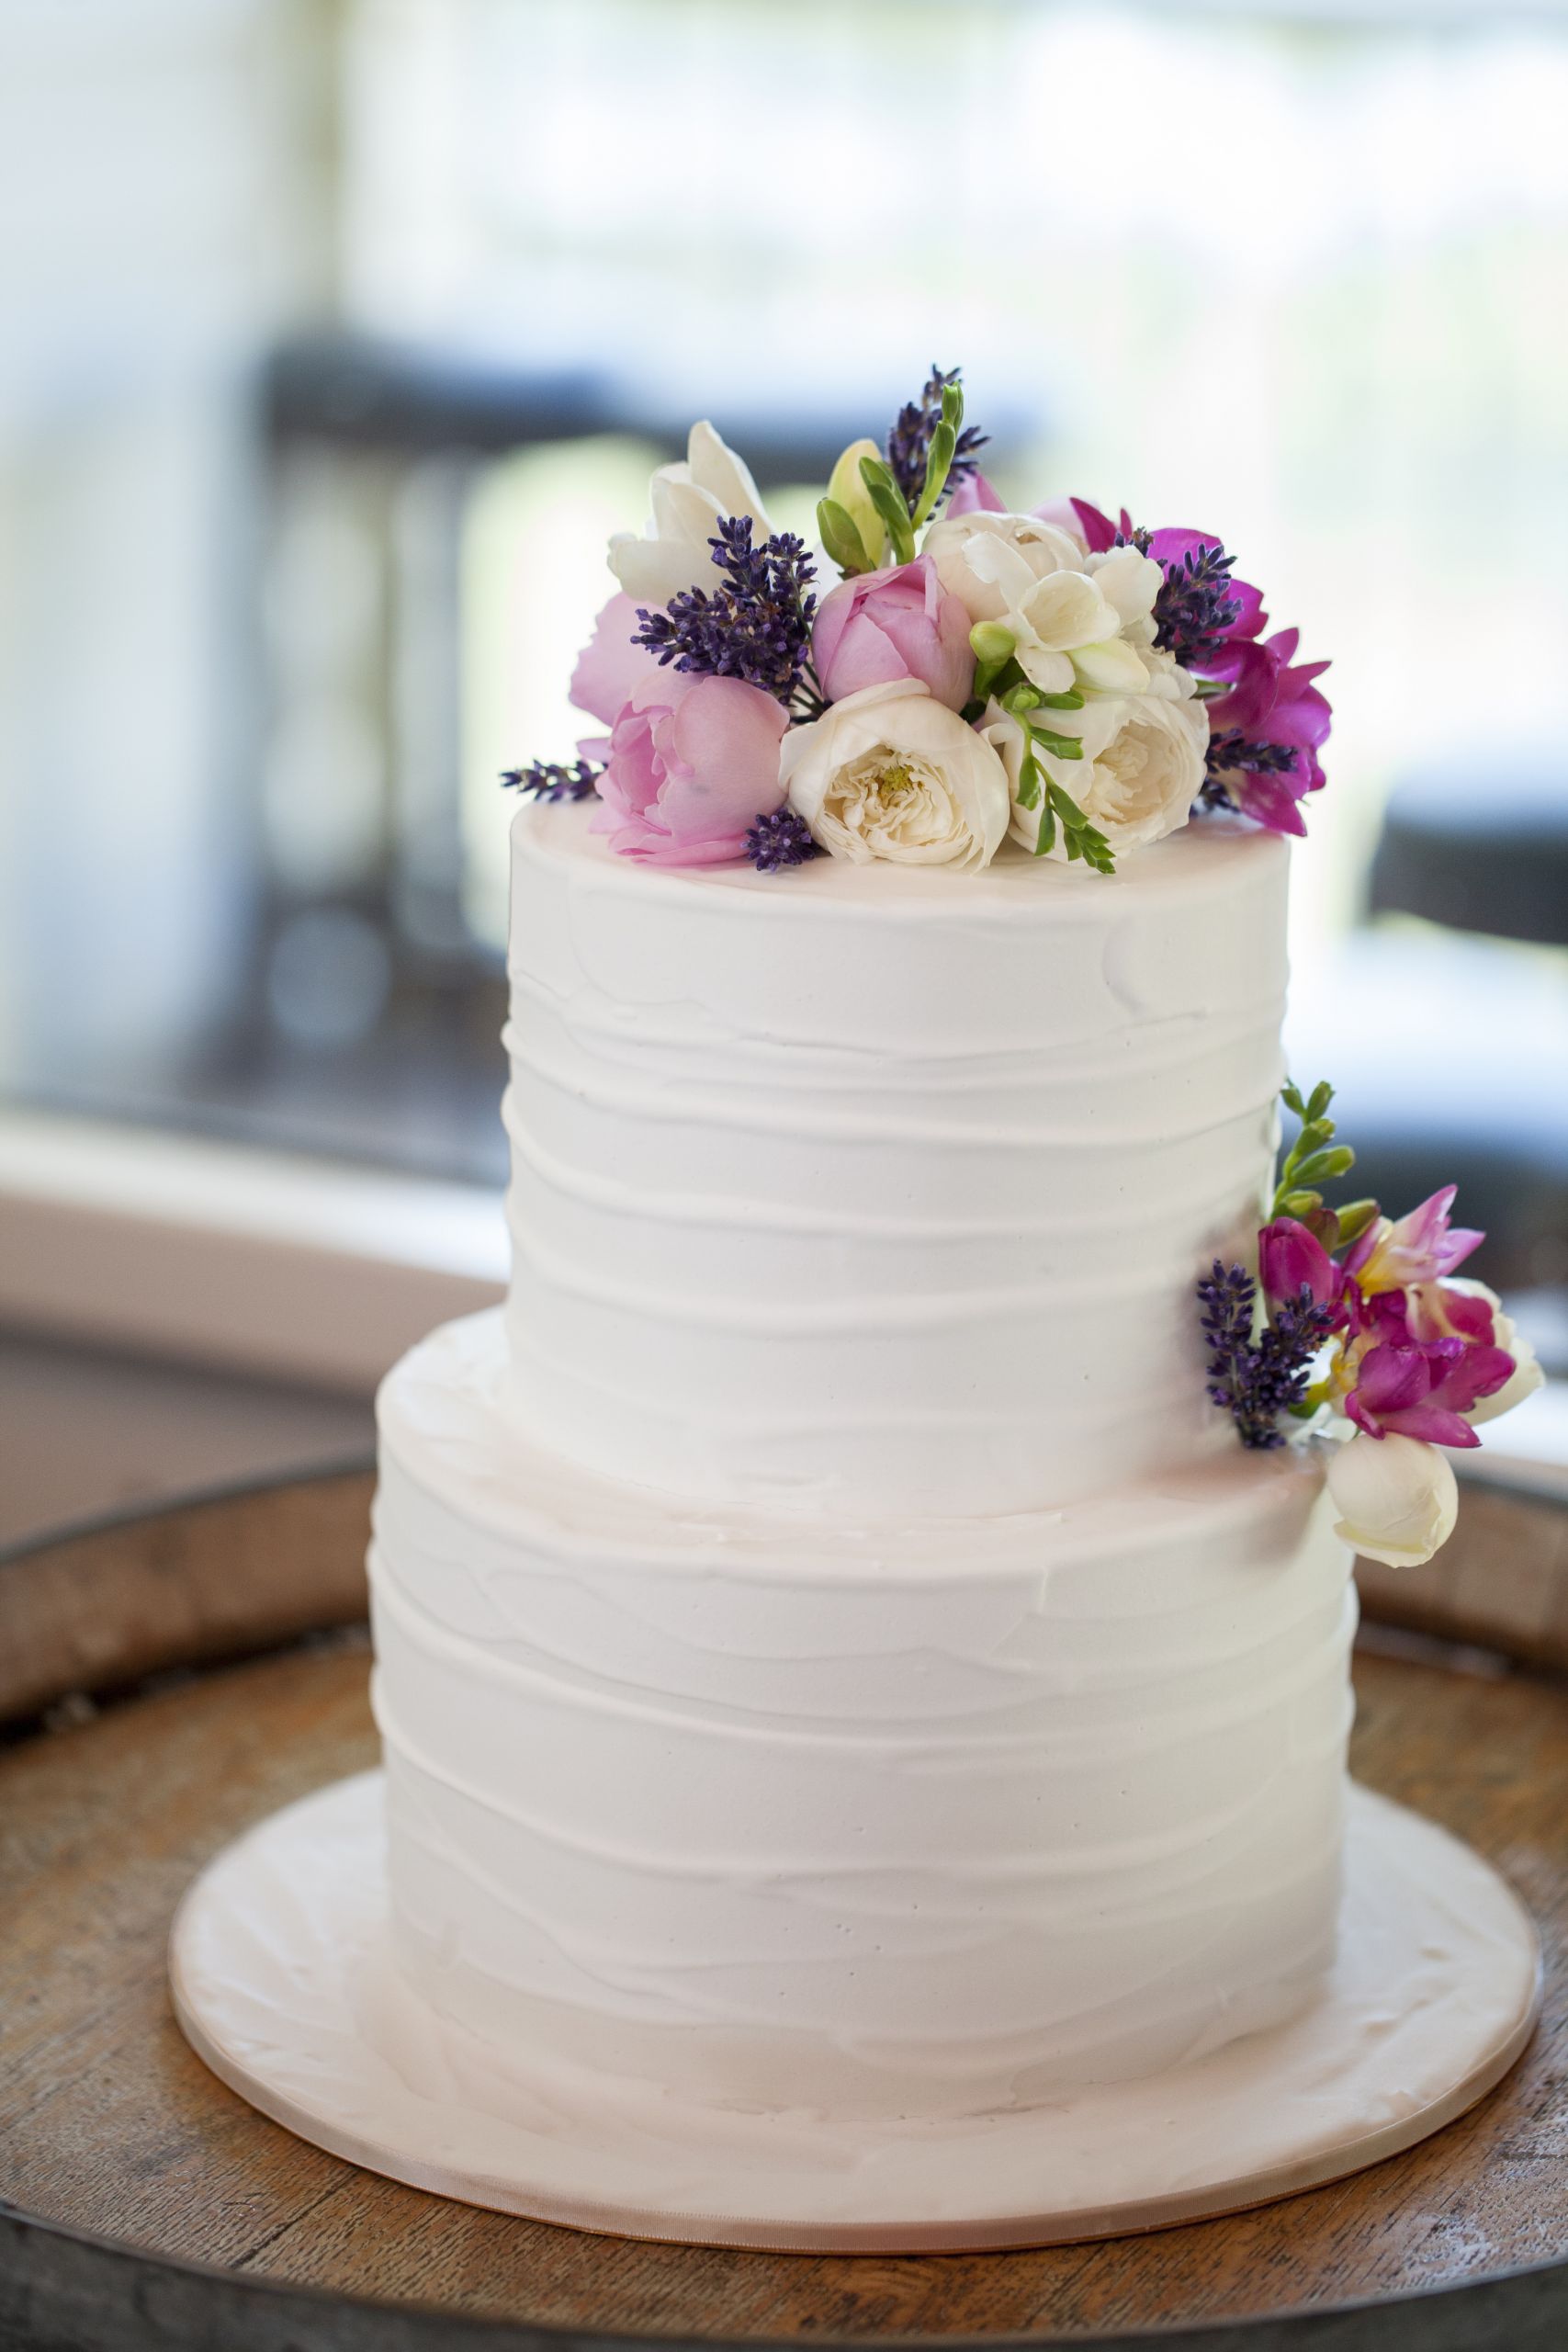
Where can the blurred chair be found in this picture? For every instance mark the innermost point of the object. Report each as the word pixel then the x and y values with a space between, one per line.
pixel 1479 845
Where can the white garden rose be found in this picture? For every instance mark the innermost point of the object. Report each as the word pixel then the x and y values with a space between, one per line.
pixel 1526 1376
pixel 1140 773
pixel 888 772
pixel 689 501
pixel 1396 1498
pixel 970 554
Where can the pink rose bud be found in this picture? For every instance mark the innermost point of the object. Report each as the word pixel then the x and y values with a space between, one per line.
pixel 693 762
pixel 890 625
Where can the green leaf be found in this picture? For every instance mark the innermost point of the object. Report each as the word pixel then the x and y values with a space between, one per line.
pixel 883 491
pixel 1047 837
pixel 1061 747
pixel 1029 782
pixel 939 457
pixel 1071 700
pixel 1067 808
pixel 836 526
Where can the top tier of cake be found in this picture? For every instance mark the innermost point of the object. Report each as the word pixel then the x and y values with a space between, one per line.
pixel 866 1191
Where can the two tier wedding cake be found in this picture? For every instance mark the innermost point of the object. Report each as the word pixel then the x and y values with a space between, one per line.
pixel 862 1637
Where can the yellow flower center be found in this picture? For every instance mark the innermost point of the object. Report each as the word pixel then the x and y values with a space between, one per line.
pixel 894 779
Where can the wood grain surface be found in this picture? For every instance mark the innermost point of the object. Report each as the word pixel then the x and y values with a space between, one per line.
pixel 219 1576
pixel 107 2122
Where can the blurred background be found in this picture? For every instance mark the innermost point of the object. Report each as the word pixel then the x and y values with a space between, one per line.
pixel 338 335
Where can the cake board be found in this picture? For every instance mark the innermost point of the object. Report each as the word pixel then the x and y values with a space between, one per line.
pixel 282 1984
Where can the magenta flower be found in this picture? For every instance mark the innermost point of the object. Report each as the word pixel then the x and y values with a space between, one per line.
pixel 1436 1311
pixel 1270 722
pixel 1099 532
pixel 1291 1259
pixel 1424 1391
pixel 898 623
pixel 1419 1248
pixel 1267 729
pixel 692 763
pixel 610 668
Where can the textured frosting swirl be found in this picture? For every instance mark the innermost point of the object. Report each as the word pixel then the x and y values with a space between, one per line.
pixel 858 1191
pixel 898 1817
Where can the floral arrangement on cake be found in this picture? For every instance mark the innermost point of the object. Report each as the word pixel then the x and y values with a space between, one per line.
pixel 1354 1329
pixel 1080 686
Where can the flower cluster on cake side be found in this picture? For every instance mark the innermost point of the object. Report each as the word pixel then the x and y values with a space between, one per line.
pixel 1354 1329
pixel 1078 684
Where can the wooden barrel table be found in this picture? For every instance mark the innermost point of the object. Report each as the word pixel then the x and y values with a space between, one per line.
pixel 171 1678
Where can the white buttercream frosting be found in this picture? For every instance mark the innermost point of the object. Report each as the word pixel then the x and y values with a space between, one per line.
pixel 868 1189
pixel 891 1817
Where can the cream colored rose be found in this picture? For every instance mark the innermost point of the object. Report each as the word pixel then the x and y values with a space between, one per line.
pixel 970 554
pixel 689 501
pixel 888 772
pixel 1396 1498
pixel 1141 770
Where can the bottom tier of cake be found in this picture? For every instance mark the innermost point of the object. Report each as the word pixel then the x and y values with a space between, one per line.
pixel 890 1820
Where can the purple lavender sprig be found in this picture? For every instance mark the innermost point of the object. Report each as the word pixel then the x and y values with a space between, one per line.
pixel 1259 1380
pixel 1196 605
pixel 756 627
pixel 910 441
pixel 553 780
pixel 779 840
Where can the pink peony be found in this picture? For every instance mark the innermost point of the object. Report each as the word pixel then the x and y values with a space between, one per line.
pixel 610 668
pixel 692 763
pixel 898 623
pixel 975 495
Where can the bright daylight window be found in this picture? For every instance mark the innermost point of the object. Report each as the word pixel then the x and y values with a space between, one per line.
pixel 311 436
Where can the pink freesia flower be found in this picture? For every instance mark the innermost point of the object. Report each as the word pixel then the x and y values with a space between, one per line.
pixel 692 763
pixel 1291 1259
pixel 1265 731
pixel 975 495
pixel 898 623
pixel 610 668
pixel 1438 1311
pixel 1419 1248
pixel 1425 1392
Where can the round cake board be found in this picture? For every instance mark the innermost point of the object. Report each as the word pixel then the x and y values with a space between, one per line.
pixel 283 1983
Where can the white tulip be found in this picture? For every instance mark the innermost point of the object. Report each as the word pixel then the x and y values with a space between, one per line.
pixel 972 554
pixel 888 772
pixel 1141 770
pixel 1526 1376
pixel 689 501
pixel 1397 1498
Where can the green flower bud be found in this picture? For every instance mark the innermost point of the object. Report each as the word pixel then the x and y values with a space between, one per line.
pixel 846 488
